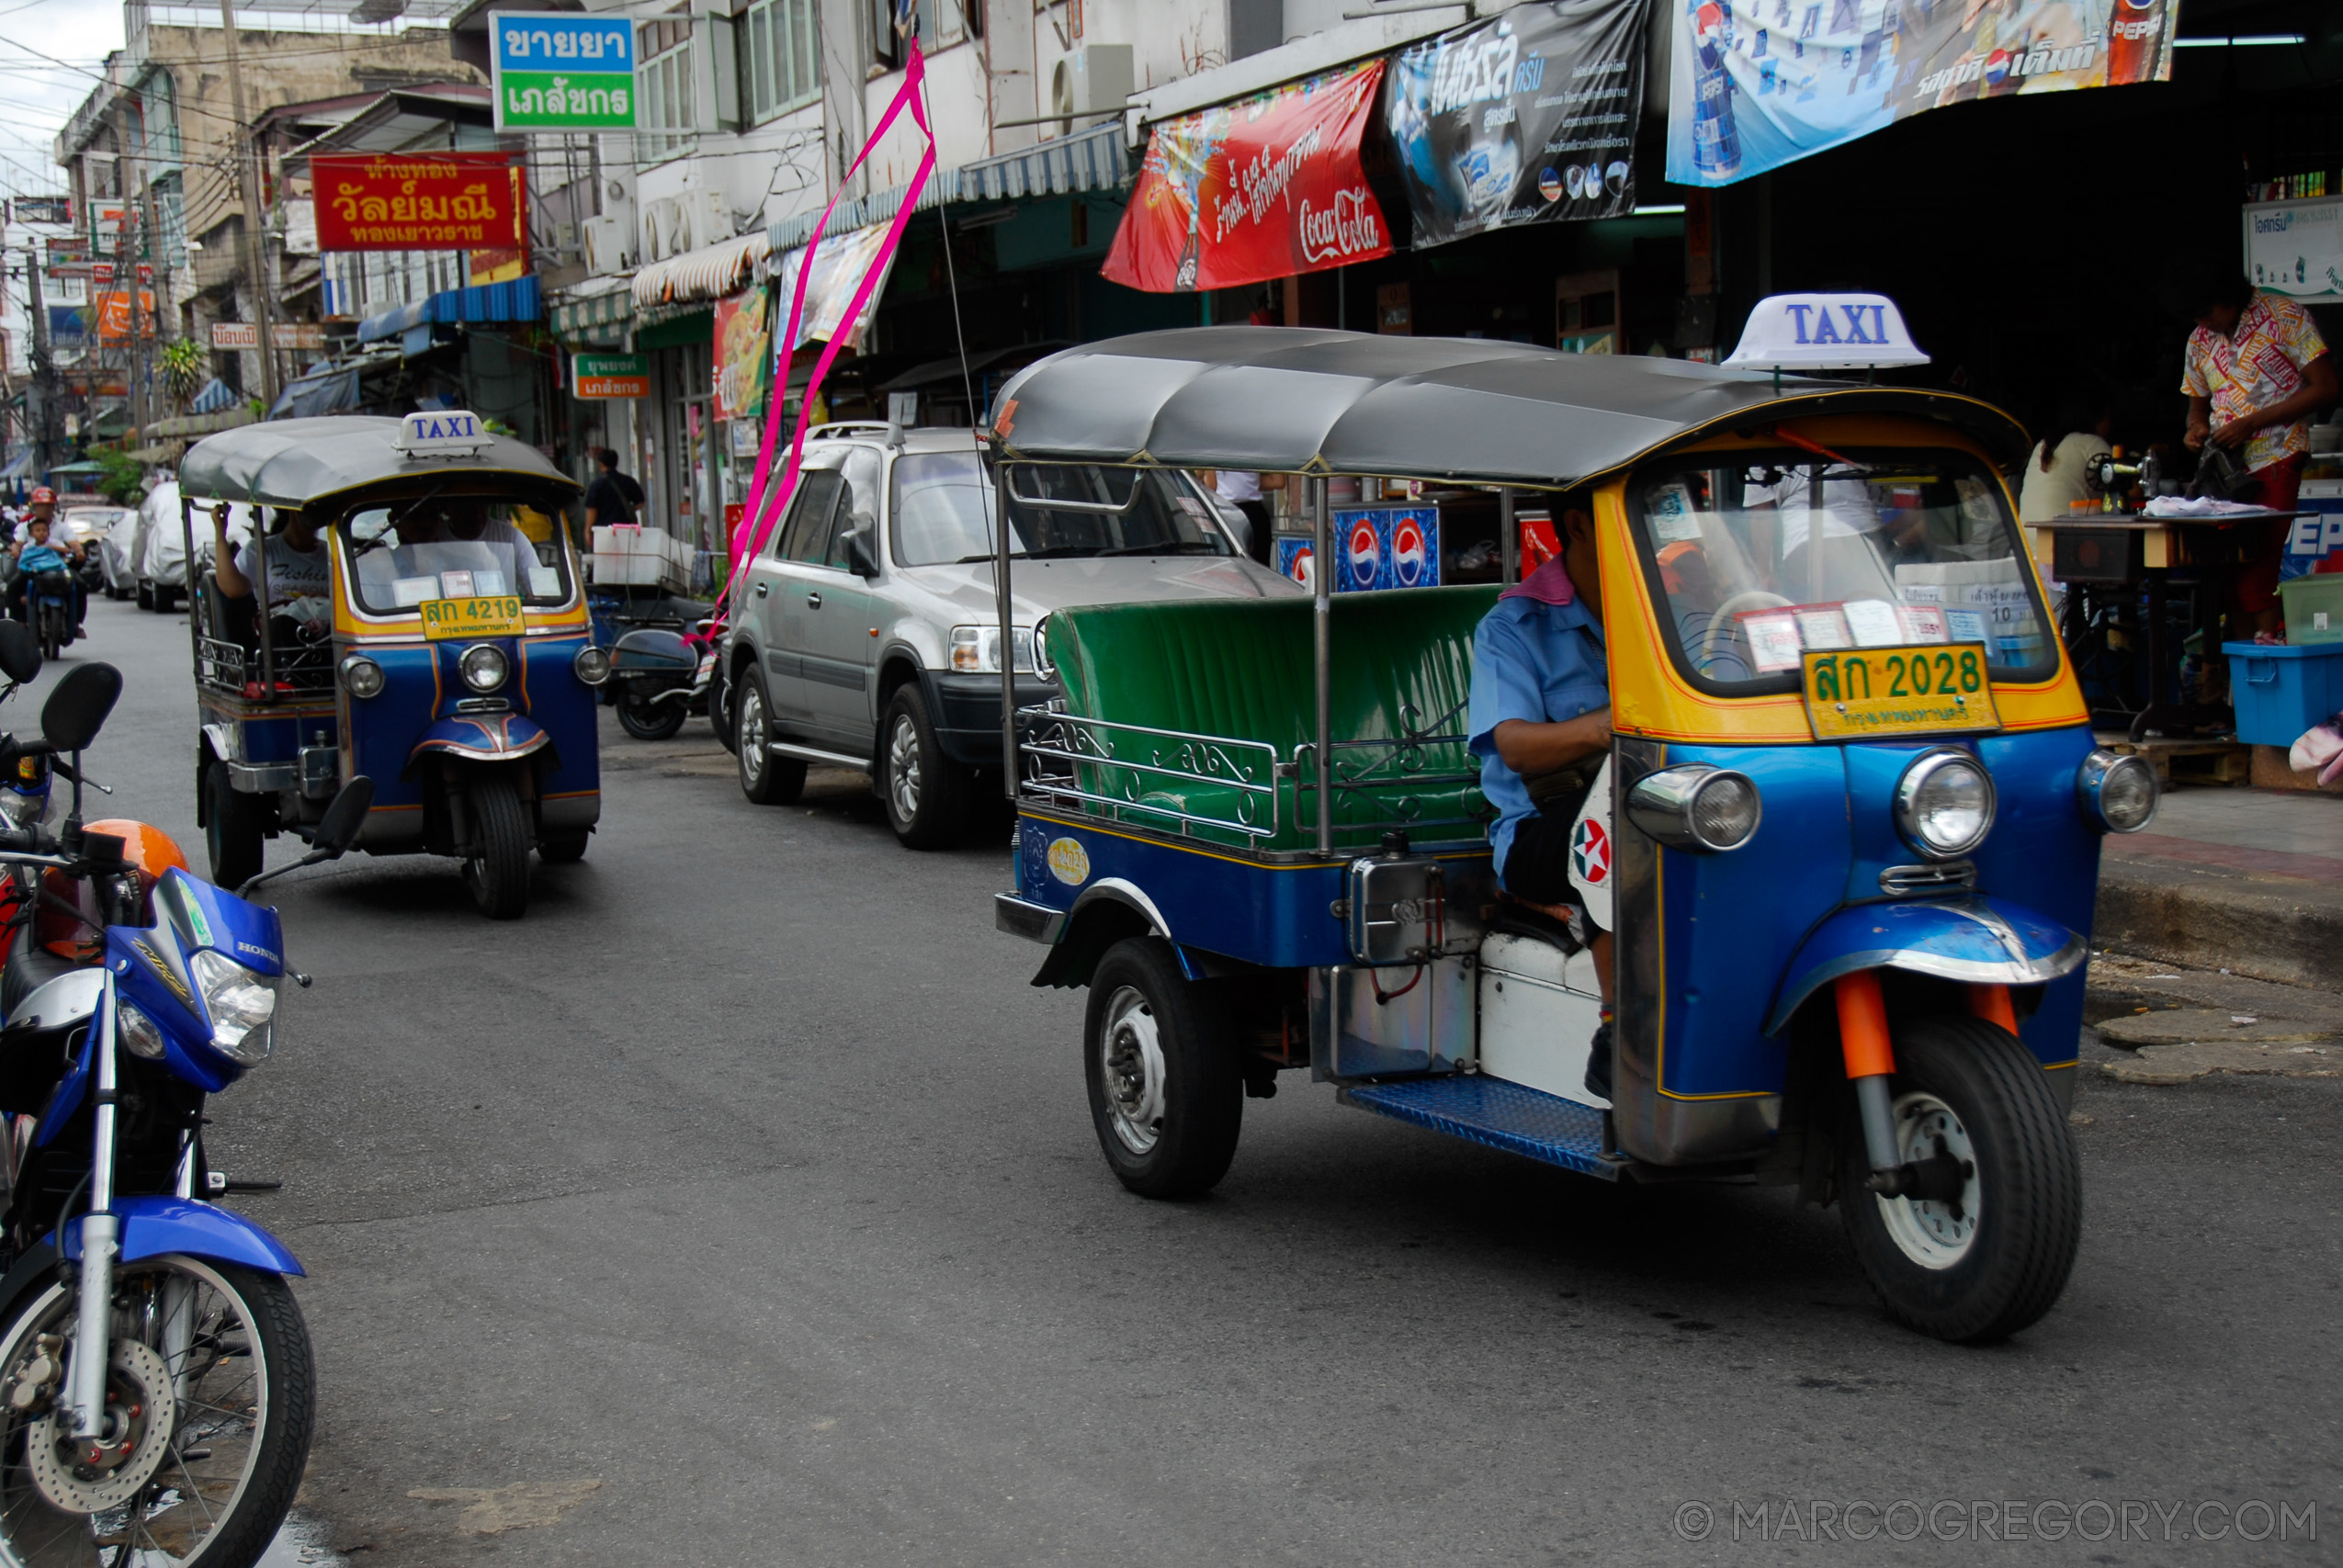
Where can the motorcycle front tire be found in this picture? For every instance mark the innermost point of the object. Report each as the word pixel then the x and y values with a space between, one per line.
pixel 243 1437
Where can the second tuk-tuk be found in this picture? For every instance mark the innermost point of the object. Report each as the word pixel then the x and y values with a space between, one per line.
pixel 1855 806
pixel 442 649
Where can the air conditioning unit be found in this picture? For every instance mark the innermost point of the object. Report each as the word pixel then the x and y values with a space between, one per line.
pixel 605 246
pixel 1098 77
pixel 674 224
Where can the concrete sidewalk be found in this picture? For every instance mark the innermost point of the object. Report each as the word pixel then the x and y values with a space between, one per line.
pixel 2247 880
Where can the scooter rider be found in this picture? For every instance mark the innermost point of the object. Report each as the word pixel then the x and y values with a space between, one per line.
pixel 1541 724
pixel 34 555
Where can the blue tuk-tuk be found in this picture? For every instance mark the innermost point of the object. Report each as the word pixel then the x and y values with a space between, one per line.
pixel 443 647
pixel 1849 835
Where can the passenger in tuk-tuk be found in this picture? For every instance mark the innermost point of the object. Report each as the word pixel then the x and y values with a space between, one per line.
pixel 412 560
pixel 300 583
pixel 1541 724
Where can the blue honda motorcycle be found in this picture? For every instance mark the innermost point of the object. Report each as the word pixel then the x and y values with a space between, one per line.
pixel 156 1384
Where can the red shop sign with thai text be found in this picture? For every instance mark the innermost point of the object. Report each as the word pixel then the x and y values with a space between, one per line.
pixel 437 201
pixel 1265 187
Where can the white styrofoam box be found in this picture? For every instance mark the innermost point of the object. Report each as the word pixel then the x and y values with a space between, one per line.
pixel 628 569
pixel 1538 1015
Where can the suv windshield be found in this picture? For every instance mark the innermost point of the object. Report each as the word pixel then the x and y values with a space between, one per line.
pixel 1757 560
pixel 453 548
pixel 944 512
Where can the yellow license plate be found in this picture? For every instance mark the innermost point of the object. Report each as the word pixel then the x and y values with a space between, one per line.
pixel 1865 693
pixel 497 616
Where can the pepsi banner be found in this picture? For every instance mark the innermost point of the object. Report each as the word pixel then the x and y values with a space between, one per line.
pixel 1757 83
pixel 1529 118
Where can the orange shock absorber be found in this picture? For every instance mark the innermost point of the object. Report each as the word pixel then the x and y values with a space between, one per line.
pixel 1991 1003
pixel 1871 1061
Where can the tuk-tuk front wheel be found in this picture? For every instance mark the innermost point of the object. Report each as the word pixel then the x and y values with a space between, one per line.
pixel 1166 1093
pixel 1990 1250
pixel 232 829
pixel 497 869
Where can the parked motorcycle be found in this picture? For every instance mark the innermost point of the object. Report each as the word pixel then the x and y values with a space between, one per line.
pixel 658 679
pixel 156 1384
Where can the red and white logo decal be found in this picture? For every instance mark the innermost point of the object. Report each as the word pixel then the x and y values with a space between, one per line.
pixel 1590 853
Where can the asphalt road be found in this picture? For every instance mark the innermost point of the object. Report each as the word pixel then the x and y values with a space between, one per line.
pixel 747 1178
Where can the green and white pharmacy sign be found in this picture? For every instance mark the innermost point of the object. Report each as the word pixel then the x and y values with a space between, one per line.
pixel 562 71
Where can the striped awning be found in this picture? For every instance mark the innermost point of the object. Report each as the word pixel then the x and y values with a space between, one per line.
pixel 597 318
pixel 1096 159
pixel 709 273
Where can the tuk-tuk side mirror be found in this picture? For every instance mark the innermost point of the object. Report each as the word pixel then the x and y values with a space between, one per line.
pixel 862 550
pixel 19 652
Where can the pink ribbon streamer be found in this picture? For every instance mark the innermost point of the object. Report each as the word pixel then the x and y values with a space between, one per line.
pixel 761 511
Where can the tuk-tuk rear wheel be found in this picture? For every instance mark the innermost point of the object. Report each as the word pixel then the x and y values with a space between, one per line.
pixel 232 829
pixel 1166 1093
pixel 1984 1265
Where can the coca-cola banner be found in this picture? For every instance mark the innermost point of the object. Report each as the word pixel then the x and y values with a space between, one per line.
pixel 1263 187
pixel 1529 118
pixel 434 202
pixel 1757 83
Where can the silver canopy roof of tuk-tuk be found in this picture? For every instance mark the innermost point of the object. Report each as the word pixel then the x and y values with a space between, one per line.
pixel 300 462
pixel 1302 399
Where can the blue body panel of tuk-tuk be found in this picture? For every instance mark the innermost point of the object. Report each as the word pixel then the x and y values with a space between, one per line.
pixel 422 687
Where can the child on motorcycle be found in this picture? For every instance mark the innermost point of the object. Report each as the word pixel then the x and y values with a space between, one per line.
pixel 34 555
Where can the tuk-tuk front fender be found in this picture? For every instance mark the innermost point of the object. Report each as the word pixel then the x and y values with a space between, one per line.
pixel 481 738
pixel 1978 940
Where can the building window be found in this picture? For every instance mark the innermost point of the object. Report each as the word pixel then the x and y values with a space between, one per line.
pixel 663 82
pixel 938 24
pixel 783 66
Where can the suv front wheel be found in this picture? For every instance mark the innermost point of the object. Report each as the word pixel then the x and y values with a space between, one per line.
pixel 926 793
pixel 766 779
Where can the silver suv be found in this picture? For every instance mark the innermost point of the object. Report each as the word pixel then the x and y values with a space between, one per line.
pixel 868 635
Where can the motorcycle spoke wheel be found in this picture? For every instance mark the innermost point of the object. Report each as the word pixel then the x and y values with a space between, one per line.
pixel 232 1344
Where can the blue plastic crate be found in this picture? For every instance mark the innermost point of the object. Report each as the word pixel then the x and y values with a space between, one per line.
pixel 2282 690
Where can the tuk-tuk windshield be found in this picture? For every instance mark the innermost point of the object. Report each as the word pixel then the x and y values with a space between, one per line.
pixel 944 512
pixel 399 556
pixel 1755 560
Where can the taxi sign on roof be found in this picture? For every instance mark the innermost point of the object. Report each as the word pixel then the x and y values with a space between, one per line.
pixel 1825 331
pixel 444 432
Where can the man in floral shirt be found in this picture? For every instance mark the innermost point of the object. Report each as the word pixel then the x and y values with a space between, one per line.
pixel 2256 370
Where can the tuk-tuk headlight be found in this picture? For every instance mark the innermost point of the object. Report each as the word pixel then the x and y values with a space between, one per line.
pixel 1944 804
pixel 592 664
pixel 241 1003
pixel 484 667
pixel 2118 794
pixel 1696 807
pixel 361 676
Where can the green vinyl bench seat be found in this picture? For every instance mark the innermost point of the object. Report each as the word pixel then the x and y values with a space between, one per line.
pixel 1241 669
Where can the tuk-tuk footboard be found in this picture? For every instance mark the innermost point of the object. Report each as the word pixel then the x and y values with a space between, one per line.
pixel 1497 1115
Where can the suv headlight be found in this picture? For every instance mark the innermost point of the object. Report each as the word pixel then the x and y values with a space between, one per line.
pixel 976 650
pixel 240 1002
pixel 1944 804
pixel 2118 794
pixel 484 667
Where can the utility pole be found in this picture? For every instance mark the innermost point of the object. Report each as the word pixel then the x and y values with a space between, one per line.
pixel 255 248
pixel 41 393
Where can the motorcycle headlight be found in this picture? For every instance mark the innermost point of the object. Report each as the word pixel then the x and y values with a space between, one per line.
pixel 2118 794
pixel 241 1003
pixel 139 1034
pixel 484 667
pixel 361 676
pixel 1944 804
pixel 592 664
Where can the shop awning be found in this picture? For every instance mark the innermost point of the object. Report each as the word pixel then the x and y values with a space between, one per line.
pixel 17 465
pixel 598 318
pixel 516 299
pixel 216 396
pixel 210 424
pixel 709 273
pixel 1089 160
pixel 327 391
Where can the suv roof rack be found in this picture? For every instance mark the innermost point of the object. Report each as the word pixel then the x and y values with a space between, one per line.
pixel 847 427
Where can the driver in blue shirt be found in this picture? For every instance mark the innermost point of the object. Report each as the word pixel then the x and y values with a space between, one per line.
pixel 1541 724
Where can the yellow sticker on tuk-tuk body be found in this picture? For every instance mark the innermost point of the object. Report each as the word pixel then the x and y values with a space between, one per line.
pixel 1873 693
pixel 498 616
